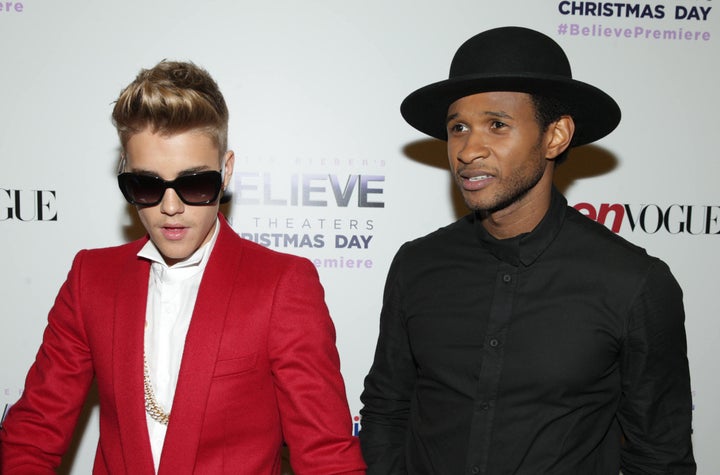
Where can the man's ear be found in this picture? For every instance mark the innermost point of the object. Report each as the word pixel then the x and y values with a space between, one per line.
pixel 558 136
pixel 229 163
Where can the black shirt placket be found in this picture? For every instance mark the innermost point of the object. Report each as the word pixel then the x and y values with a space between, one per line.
pixel 491 369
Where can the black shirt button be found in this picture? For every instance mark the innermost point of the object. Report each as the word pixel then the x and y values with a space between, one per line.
pixel 494 342
pixel 475 469
pixel 507 278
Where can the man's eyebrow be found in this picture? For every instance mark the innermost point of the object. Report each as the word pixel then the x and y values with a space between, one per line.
pixel 498 114
pixel 187 171
pixel 190 171
pixel 451 117
pixel 140 171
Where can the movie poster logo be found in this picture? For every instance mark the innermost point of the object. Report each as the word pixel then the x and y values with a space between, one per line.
pixel 11 7
pixel 683 20
pixel 309 189
pixel 8 394
pixel 28 205
pixel 655 218
pixel 644 11
pixel 325 210
pixel 356 426
pixel 5 410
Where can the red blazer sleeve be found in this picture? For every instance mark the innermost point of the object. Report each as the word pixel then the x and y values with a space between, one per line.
pixel 39 427
pixel 309 388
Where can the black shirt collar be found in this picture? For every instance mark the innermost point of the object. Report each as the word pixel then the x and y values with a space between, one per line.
pixel 527 247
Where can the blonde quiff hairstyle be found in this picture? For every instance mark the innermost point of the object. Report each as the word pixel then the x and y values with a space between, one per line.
pixel 171 98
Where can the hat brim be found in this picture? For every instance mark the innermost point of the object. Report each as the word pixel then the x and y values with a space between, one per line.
pixel 595 113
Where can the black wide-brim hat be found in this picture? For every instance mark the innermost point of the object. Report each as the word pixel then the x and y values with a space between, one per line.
pixel 513 59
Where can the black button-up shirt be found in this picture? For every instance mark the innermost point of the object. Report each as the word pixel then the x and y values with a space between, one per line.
pixel 561 351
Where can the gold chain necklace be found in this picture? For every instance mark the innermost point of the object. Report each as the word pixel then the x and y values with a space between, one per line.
pixel 152 407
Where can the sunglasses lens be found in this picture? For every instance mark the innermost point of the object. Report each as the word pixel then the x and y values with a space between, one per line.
pixel 201 188
pixel 141 189
pixel 198 189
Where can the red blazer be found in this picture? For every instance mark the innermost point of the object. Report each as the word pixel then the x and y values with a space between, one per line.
pixel 259 367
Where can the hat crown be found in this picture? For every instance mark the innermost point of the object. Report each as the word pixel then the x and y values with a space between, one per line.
pixel 510 51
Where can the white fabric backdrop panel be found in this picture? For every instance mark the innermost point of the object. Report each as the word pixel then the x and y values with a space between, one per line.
pixel 326 167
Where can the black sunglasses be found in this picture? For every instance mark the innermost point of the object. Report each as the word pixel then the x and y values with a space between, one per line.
pixel 146 190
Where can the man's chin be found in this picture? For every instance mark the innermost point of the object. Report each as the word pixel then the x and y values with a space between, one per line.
pixel 173 254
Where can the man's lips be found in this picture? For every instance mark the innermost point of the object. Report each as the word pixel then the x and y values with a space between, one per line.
pixel 174 232
pixel 473 181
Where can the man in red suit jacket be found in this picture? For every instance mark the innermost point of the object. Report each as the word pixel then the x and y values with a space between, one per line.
pixel 208 350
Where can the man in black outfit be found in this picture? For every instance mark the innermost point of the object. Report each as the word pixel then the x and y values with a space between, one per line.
pixel 524 338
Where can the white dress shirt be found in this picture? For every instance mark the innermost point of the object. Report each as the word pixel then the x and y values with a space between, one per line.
pixel 171 298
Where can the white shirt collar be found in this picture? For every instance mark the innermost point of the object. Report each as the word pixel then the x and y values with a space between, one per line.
pixel 193 264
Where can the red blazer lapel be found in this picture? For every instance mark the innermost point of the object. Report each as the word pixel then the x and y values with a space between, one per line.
pixel 199 355
pixel 128 343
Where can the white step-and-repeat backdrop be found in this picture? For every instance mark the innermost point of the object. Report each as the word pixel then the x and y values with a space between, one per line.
pixel 327 168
